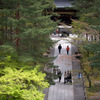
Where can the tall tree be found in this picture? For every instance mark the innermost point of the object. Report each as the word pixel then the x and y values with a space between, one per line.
pixel 18 80
pixel 90 13
pixel 27 23
pixel 37 28
pixel 89 23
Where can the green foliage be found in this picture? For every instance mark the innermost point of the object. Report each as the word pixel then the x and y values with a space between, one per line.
pixel 89 24
pixel 94 48
pixel 49 77
pixel 28 21
pixel 89 11
pixel 81 28
pixel 19 81
pixel 25 27
pixel 95 88
pixel 7 50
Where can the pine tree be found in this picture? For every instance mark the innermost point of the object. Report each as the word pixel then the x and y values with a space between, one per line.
pixel 94 48
pixel 89 23
pixel 25 27
pixel 7 20
pixel 37 28
pixel 19 81
pixel 90 13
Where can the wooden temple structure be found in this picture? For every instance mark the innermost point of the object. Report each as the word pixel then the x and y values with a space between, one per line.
pixel 66 10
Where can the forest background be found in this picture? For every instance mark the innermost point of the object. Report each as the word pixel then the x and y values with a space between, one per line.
pixel 25 27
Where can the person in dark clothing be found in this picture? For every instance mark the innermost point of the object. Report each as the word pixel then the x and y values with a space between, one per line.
pixel 65 77
pixel 70 77
pixel 59 75
pixel 67 49
pixel 59 48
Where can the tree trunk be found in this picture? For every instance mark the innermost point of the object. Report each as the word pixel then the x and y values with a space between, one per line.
pixel 11 33
pixel 6 37
pixel 6 29
pixel 17 28
pixel 88 78
pixel 3 39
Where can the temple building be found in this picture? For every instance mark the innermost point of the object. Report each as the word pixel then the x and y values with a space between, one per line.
pixel 65 8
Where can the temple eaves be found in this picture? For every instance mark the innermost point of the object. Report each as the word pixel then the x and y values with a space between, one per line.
pixel 64 3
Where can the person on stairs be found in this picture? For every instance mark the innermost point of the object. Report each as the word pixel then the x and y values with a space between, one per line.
pixel 59 48
pixel 67 49
pixel 59 75
pixel 65 77
pixel 70 77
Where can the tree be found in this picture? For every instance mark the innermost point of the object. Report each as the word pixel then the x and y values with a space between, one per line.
pixel 21 84
pixel 89 12
pixel 7 19
pixel 94 48
pixel 37 28
pixel 19 80
pixel 29 26
pixel 26 23
pixel 89 15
